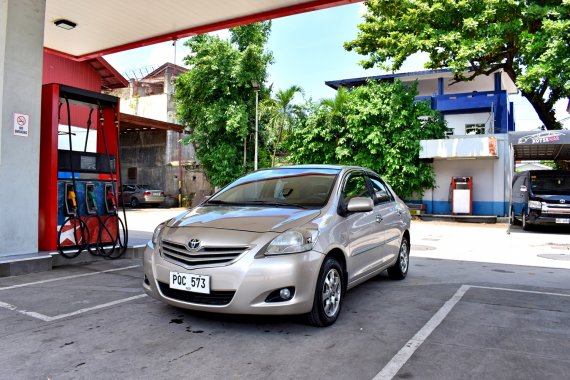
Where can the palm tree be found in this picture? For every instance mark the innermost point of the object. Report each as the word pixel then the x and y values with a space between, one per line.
pixel 338 104
pixel 280 111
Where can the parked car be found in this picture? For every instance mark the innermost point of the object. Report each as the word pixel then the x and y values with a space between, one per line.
pixel 288 240
pixel 136 195
pixel 541 197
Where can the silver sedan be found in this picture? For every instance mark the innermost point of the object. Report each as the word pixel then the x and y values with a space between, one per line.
pixel 287 240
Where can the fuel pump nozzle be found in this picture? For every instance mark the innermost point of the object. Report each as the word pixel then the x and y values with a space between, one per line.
pixel 90 199
pixel 71 200
pixel 111 206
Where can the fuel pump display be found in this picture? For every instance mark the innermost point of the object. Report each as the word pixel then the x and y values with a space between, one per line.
pixel 78 184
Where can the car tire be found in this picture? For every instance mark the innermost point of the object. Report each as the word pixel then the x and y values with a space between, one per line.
pixel 525 224
pixel 135 202
pixel 329 294
pixel 399 270
pixel 514 220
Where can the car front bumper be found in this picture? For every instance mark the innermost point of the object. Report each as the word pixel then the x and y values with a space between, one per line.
pixel 252 279
pixel 540 218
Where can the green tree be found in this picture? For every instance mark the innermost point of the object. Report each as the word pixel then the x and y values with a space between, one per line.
pixel 280 113
pixel 215 99
pixel 378 126
pixel 528 40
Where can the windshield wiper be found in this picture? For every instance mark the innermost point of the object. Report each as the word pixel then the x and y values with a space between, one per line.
pixel 276 203
pixel 218 202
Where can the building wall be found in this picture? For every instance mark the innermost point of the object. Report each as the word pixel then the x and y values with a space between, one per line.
pixel 70 73
pixel 481 83
pixel 490 182
pixel 144 151
pixel 427 87
pixel 21 46
pixel 154 154
pixel 152 107
pixel 165 172
pixel 457 122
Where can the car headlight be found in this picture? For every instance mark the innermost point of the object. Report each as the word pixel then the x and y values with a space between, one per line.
pixel 534 204
pixel 293 241
pixel 157 231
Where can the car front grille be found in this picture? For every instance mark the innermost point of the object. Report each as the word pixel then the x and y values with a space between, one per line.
pixel 556 208
pixel 204 256
pixel 214 298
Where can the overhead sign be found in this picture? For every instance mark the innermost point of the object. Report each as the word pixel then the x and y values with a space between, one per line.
pixel 542 137
pixel 21 123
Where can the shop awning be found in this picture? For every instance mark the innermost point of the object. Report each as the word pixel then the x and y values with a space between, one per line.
pixel 541 145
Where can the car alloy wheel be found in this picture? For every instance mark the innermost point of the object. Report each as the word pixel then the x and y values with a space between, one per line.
pixel 331 293
pixel 400 269
pixel 404 256
pixel 328 294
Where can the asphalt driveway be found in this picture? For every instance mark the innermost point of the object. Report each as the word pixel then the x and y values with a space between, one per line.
pixel 463 317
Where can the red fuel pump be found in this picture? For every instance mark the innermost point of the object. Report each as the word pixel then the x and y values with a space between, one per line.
pixel 77 186
pixel 462 195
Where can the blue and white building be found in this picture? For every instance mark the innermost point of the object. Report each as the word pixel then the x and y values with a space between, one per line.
pixel 479 116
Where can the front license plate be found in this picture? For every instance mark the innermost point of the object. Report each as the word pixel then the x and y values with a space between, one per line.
pixel 563 220
pixel 190 282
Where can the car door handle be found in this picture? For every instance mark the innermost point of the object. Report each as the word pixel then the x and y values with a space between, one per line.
pixel 379 218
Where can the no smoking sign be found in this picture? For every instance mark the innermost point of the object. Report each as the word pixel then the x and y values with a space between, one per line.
pixel 21 123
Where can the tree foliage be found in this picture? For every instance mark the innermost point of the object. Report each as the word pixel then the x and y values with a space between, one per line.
pixel 378 126
pixel 528 40
pixel 280 113
pixel 215 99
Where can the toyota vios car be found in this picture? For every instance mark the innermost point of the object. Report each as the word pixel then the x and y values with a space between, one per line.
pixel 288 240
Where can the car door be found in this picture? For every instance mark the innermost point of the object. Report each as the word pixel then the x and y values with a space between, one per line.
pixel 364 237
pixel 389 218
pixel 518 196
pixel 128 191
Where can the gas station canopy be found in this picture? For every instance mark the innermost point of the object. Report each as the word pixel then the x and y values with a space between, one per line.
pixel 90 29
pixel 542 145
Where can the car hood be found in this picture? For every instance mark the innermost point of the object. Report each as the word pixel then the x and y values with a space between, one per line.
pixel 245 218
pixel 551 198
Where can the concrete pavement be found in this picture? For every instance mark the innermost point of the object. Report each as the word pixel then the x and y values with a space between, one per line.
pixel 490 243
pixel 463 312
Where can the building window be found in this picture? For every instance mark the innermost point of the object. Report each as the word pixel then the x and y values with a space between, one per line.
pixel 132 173
pixel 449 131
pixel 474 129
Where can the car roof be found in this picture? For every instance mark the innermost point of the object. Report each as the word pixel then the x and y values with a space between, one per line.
pixel 319 166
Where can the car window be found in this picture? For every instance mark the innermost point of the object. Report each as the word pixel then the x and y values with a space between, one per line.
pixel 381 192
pixel 355 186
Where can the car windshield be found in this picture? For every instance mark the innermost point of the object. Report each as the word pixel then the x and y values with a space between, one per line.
pixel 558 184
pixel 304 188
pixel 144 187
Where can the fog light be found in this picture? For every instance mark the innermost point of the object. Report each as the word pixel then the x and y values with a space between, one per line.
pixel 285 293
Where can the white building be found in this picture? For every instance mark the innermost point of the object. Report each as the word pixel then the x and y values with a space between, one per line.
pixel 479 116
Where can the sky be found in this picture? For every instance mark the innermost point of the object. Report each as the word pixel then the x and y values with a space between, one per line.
pixel 308 50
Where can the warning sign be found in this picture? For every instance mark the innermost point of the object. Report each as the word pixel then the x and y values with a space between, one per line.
pixel 21 123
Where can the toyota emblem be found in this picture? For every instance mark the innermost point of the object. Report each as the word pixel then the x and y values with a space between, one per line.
pixel 194 244
pixel 563 201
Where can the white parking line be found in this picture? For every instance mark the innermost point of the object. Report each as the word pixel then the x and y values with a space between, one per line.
pixel 406 352
pixel 47 318
pixel 67 277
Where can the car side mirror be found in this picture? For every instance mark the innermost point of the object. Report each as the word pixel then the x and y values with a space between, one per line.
pixel 523 189
pixel 360 204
